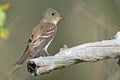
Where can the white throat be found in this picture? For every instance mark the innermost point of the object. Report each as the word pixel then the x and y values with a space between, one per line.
pixel 54 21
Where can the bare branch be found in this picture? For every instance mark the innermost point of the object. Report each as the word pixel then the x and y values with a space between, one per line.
pixel 89 52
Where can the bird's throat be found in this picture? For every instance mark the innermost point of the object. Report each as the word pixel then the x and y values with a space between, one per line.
pixel 54 21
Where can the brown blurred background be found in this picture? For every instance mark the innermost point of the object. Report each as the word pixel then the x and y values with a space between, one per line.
pixel 85 21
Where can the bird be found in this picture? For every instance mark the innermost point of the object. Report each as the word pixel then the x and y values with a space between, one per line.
pixel 42 35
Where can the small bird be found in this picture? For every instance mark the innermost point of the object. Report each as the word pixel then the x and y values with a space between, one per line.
pixel 42 35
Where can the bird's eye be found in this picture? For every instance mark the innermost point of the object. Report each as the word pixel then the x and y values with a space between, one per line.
pixel 53 14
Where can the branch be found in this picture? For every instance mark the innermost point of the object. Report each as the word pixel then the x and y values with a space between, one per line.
pixel 89 52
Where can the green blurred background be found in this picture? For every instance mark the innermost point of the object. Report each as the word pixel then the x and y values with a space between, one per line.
pixel 85 21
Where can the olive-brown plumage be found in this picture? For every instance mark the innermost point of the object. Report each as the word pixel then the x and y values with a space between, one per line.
pixel 42 35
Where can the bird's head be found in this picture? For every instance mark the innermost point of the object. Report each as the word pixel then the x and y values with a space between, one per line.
pixel 51 15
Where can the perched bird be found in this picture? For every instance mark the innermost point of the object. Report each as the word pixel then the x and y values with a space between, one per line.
pixel 42 35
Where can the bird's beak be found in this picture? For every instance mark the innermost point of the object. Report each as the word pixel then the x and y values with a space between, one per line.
pixel 60 18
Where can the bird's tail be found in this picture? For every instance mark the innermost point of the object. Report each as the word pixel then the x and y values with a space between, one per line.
pixel 9 73
pixel 16 65
pixel 23 58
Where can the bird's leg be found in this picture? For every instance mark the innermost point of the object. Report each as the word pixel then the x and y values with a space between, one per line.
pixel 47 52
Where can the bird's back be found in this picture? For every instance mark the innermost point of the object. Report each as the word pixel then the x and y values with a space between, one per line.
pixel 42 34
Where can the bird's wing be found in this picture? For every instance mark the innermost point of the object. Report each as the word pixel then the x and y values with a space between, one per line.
pixel 42 35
